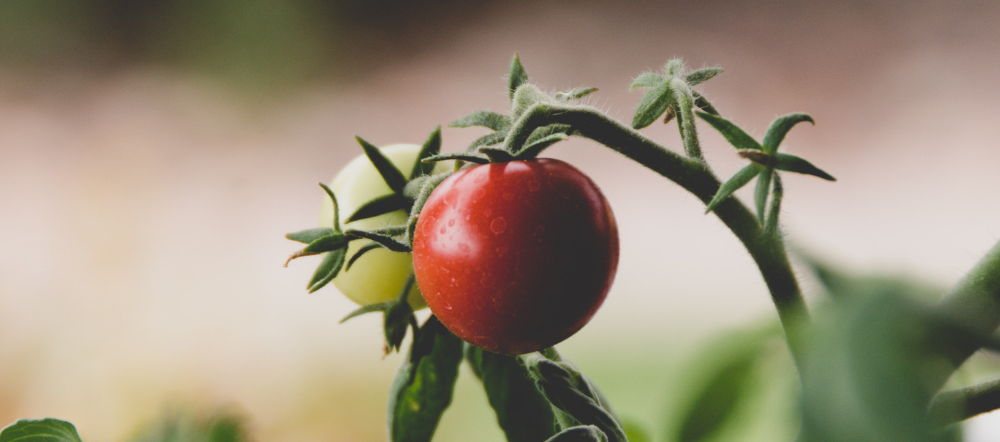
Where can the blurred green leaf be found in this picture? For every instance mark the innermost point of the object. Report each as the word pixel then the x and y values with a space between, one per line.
pixel 846 286
pixel 41 430
pixel 717 400
pixel 580 433
pixel 635 432
pixel 221 426
pixel 570 392
pixel 424 384
pixel 521 410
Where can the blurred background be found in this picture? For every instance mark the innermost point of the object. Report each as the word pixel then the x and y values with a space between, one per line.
pixel 153 154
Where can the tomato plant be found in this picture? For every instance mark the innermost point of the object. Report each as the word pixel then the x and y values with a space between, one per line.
pixel 514 257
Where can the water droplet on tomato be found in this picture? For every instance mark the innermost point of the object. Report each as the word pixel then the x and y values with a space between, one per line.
pixel 463 247
pixel 498 225
pixel 443 229
pixel 451 222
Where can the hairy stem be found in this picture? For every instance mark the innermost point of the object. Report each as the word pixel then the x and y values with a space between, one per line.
pixel 951 406
pixel 768 251
pixel 685 104
pixel 974 303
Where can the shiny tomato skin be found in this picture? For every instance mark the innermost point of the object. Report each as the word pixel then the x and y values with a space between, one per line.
pixel 515 257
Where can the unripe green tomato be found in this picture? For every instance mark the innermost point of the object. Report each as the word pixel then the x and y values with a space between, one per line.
pixel 379 275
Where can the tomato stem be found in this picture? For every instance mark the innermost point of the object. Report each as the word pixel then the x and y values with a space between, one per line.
pixel 694 175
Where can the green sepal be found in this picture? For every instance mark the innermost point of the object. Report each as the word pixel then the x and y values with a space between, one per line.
pixel 526 96
pixel 716 401
pixel 431 147
pixel 517 75
pixel 361 251
pixel 652 105
pixel 580 433
pixel 309 235
pixel 487 140
pixel 703 103
pixel 757 156
pixel 777 192
pixel 673 67
pixel 574 94
pixel 325 244
pixel 738 180
pixel 327 269
pixel 336 206
pixel 380 206
pixel 370 308
pixel 496 154
pixel 386 240
pixel 701 75
pixel 469 157
pixel 647 79
pixel 522 412
pixel 792 163
pixel 491 120
pixel 780 127
pixel 732 133
pixel 533 149
pixel 392 176
pixel 398 317
pixel 564 392
pixel 546 131
pixel 41 430
pixel 418 204
pixel 762 191
pixel 424 384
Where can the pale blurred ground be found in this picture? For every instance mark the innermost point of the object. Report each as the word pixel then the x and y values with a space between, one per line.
pixel 143 206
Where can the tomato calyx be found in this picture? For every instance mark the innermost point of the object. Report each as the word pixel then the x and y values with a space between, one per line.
pixel 496 147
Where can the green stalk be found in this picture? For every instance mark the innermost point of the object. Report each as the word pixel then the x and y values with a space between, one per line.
pixel 768 251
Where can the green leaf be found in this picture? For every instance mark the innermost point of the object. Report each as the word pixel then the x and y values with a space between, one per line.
pixel 780 127
pixel 325 244
pixel 546 131
pixel 738 180
pixel 521 410
pixel 564 392
pixel 517 75
pixel 527 95
pixel 674 67
pixel 792 163
pixel 336 207
pixel 42 430
pixel 730 131
pixel 574 94
pixel 431 147
pixel 652 105
pixel 635 432
pixel 424 384
pixel 716 401
pixel 380 206
pixel 327 270
pixel 844 286
pixel 580 433
pixel 361 251
pixel 702 103
pixel 386 241
pixel 761 192
pixel 397 319
pixel 492 120
pixel 701 75
pixel 309 235
pixel 647 79
pixel 392 176
pixel 470 157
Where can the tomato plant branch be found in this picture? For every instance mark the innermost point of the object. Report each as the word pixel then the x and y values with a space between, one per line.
pixel 951 406
pixel 768 251
pixel 974 303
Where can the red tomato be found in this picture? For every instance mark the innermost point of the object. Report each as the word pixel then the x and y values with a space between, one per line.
pixel 515 257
